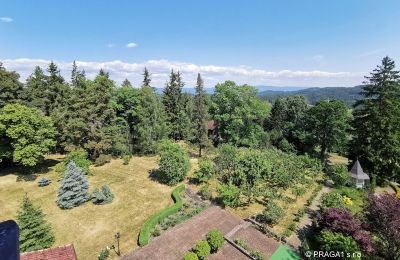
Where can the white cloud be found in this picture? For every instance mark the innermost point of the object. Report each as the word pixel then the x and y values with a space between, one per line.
pixel 212 74
pixel 6 19
pixel 131 45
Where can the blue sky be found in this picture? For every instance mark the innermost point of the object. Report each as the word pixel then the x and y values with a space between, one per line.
pixel 282 43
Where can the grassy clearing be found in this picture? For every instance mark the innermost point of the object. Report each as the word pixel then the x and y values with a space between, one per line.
pixel 334 159
pixel 91 227
pixel 357 196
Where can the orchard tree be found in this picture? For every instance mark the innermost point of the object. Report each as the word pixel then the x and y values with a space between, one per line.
pixel 35 233
pixel 200 115
pixel 26 135
pixel 11 89
pixel 376 136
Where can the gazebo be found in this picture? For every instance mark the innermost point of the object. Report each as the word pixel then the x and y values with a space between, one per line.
pixel 358 175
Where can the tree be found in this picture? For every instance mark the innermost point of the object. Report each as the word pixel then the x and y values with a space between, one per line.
pixel 79 157
pixel 387 225
pixel 146 78
pixel 239 113
pixel 338 242
pixel 339 174
pixel 36 89
pixel 376 141
pixel 74 188
pixel 215 239
pixel 206 170
pixel 229 195
pixel 174 163
pixel 26 135
pixel 34 232
pixel 200 116
pixel 126 84
pixel 327 123
pixel 103 196
pixel 11 89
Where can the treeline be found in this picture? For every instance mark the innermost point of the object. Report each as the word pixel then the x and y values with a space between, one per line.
pixel 48 113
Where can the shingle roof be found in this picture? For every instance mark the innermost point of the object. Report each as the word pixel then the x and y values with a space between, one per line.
pixel 66 252
pixel 357 172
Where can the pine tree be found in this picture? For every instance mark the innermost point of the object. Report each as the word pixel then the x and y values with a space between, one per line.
pixel 35 232
pixel 200 115
pixel 74 187
pixel 146 78
pixel 11 89
pixel 376 140
pixel 36 88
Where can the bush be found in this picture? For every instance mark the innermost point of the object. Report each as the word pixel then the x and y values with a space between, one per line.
pixel 156 232
pixel 190 256
pixel 202 249
pixel 396 189
pixel 272 213
pixel 339 174
pixel 104 254
pixel 79 157
pixel 337 242
pixel 126 158
pixel 331 200
pixel 44 182
pixel 102 196
pixel 102 159
pixel 257 255
pixel 206 170
pixel 215 239
pixel 229 194
pixel 205 192
pixel 150 223
pixel 174 163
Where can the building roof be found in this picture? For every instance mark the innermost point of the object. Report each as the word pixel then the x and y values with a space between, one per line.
pixel 357 172
pixel 66 252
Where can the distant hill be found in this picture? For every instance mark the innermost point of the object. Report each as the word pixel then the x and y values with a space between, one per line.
pixel 349 95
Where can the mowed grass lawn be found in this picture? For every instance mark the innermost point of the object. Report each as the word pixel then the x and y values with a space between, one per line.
pixel 91 227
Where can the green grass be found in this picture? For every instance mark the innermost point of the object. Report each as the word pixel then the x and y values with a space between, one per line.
pixel 284 253
pixel 357 196
pixel 91 227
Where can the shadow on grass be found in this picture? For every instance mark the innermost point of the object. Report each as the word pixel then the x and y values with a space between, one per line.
pixel 155 175
pixel 28 173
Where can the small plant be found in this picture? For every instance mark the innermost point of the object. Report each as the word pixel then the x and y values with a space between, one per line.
pixel 206 170
pixel 202 249
pixel 102 159
pixel 104 254
pixel 257 255
pixel 215 239
pixel 347 201
pixel 272 213
pixel 156 232
pixel 126 158
pixel 102 196
pixel 190 256
pixel 205 192
pixel 44 182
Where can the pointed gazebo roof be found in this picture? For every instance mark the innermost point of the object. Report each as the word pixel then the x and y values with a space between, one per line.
pixel 357 172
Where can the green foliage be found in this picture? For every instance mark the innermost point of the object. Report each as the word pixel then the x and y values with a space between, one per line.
pixel 102 159
pixel 229 194
pixel 190 256
pixel 202 249
pixel 200 116
pixel 332 200
pixel 254 253
pixel 11 89
pixel 26 135
pixel 205 192
pixel 206 170
pixel 103 196
pixel 126 158
pixel 215 239
pixel 272 213
pixel 376 132
pixel 34 232
pixel 150 223
pixel 339 174
pixel 79 157
pixel 239 113
pixel 174 163
pixel 337 242
pixel 74 187
pixel 104 254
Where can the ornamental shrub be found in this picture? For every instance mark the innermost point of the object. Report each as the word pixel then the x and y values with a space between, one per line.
pixel 174 163
pixel 79 157
pixel 190 256
pixel 215 239
pixel 102 196
pixel 74 187
pixel 331 200
pixel 229 194
pixel 272 213
pixel 206 170
pixel 329 241
pixel 202 249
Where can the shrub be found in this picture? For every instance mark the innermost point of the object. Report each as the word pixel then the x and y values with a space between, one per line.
pixel 150 223
pixel 396 189
pixel 339 174
pixel 174 163
pixel 156 232
pixel 74 187
pixel 331 200
pixel 126 158
pixel 229 194
pixel 104 254
pixel 102 196
pixel 299 191
pixel 102 159
pixel 79 157
pixel 202 249
pixel 206 170
pixel 44 182
pixel 190 256
pixel 337 242
pixel 257 255
pixel 272 213
pixel 205 192
pixel 215 239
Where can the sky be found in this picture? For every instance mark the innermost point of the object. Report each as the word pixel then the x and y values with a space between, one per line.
pixel 306 43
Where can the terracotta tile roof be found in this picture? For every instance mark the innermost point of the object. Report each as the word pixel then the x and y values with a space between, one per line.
pixel 66 252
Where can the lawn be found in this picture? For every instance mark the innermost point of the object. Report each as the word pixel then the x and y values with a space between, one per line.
pixel 284 253
pixel 357 197
pixel 91 227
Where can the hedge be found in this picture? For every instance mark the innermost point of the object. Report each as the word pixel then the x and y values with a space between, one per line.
pixel 150 223
pixel 396 189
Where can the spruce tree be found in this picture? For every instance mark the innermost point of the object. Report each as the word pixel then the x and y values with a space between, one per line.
pixel 146 78
pixel 36 88
pixel 74 187
pixel 200 115
pixel 35 233
pixel 376 136
pixel 10 87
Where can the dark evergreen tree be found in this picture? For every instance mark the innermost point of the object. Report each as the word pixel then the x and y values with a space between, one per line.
pixel 200 116
pixel 126 84
pixel 146 78
pixel 36 88
pixel 11 89
pixel 34 232
pixel 73 187
pixel 376 135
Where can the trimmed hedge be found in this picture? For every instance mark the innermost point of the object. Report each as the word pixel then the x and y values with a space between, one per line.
pixel 150 223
